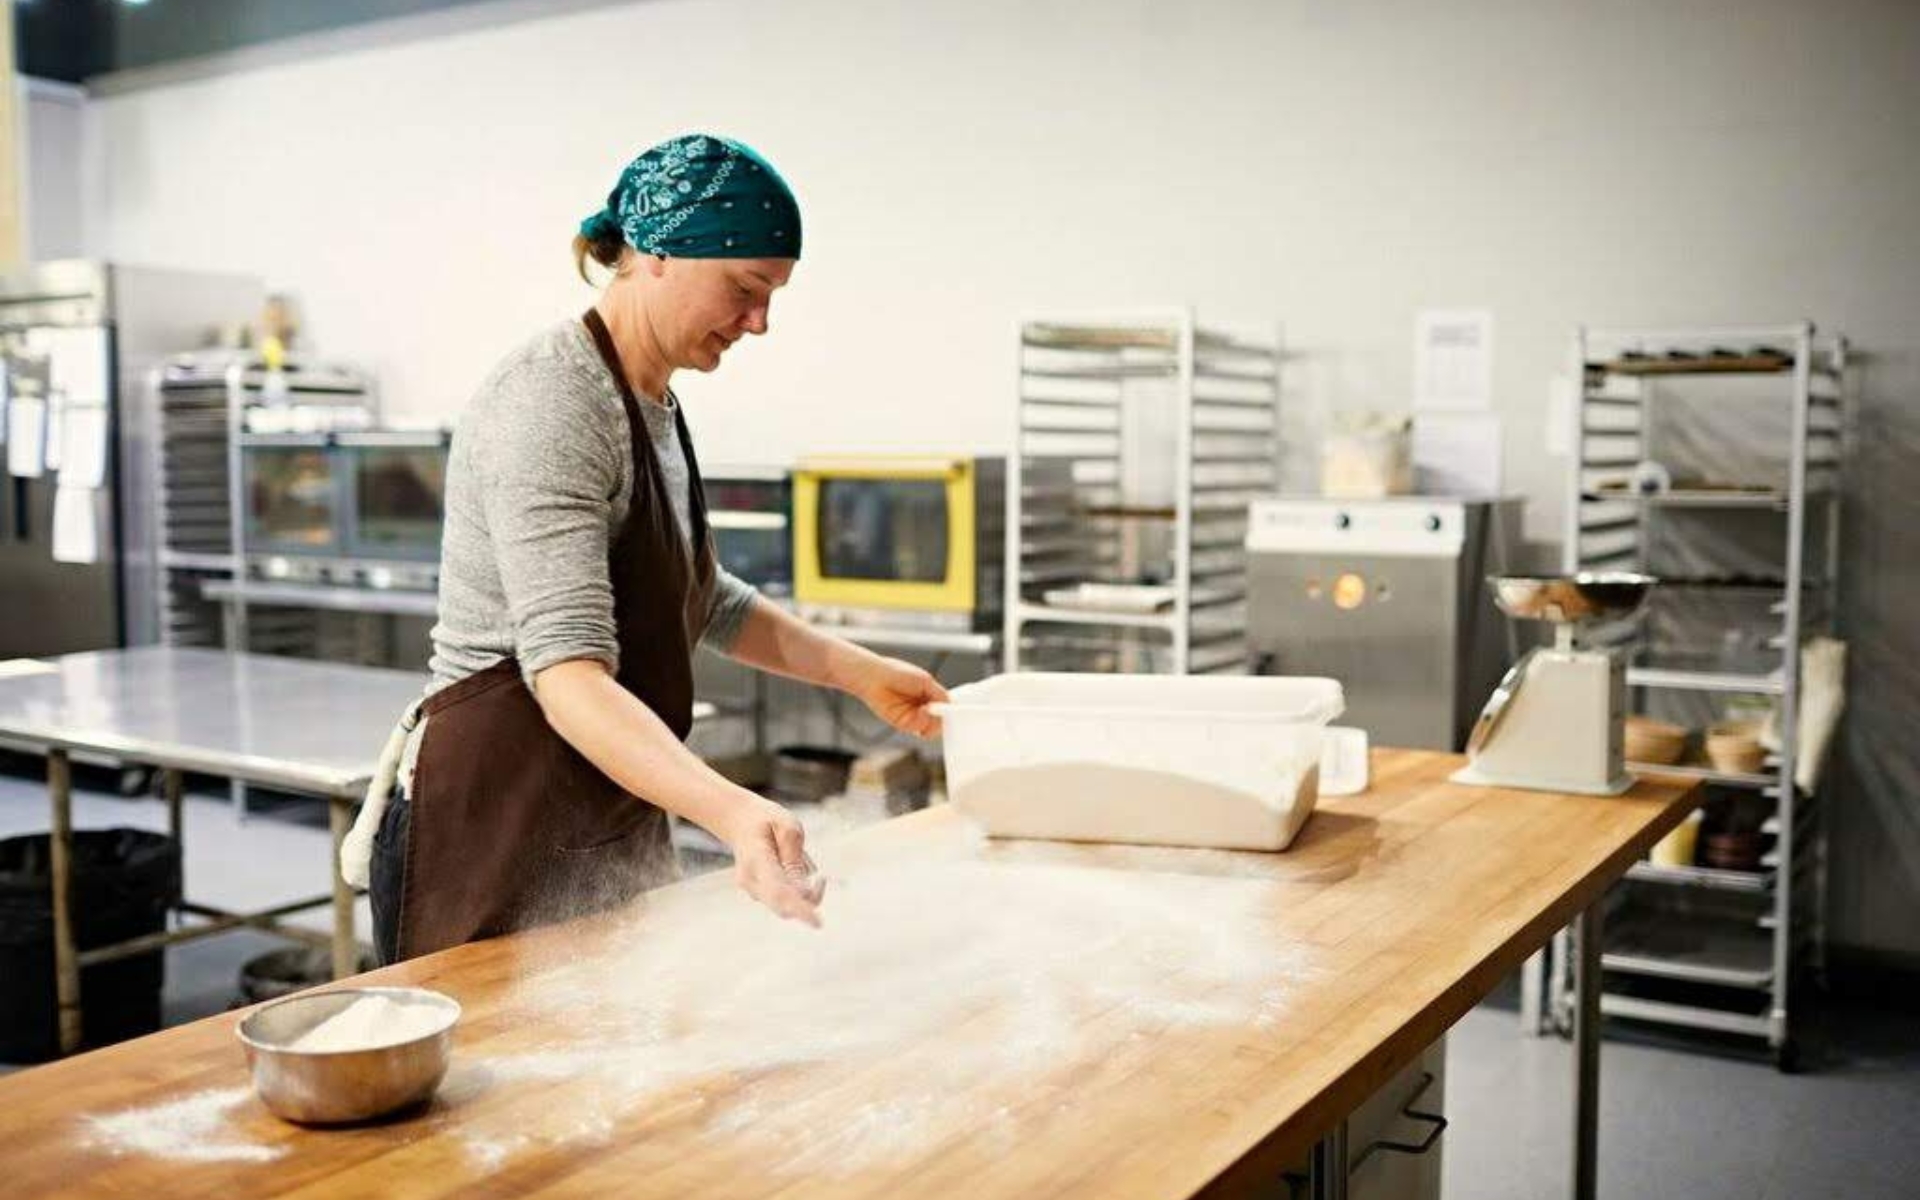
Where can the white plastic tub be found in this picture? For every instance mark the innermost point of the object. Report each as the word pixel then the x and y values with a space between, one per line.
pixel 1230 762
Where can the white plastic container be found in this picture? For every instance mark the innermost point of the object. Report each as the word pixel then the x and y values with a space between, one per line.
pixel 1228 761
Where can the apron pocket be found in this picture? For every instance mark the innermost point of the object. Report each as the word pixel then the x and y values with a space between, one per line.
pixel 607 844
pixel 611 872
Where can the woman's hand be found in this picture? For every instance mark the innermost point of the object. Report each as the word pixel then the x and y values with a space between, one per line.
pixel 770 861
pixel 898 693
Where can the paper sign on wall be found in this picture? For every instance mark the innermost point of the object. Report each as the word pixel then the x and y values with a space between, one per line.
pixel 76 362
pixel 26 436
pixel 83 445
pixel 1456 454
pixel 56 426
pixel 76 527
pixel 1453 359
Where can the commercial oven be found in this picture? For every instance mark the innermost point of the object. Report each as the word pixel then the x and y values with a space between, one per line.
pixel 1389 597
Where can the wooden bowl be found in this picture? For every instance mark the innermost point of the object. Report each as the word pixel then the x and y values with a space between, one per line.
pixel 1733 851
pixel 1660 743
pixel 1734 747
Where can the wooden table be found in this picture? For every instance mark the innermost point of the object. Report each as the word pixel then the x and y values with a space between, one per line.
pixel 1005 1019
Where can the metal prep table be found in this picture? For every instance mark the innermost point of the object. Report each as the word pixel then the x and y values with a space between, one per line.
pixel 308 727
pixel 316 728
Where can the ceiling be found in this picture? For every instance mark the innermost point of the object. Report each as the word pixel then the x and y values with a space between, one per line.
pixel 73 40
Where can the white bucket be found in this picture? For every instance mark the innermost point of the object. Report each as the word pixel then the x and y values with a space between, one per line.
pixel 1186 760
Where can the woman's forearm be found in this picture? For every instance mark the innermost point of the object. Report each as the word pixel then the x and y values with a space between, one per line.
pixel 631 745
pixel 772 639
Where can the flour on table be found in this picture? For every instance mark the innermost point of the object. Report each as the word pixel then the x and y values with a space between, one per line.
pixel 968 976
pixel 192 1129
pixel 946 986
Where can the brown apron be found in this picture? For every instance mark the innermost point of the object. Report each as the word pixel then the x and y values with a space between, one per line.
pixel 510 825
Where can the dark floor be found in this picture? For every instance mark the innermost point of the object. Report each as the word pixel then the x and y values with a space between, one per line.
pixel 1676 1122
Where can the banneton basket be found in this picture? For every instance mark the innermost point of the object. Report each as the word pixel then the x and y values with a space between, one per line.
pixel 1230 762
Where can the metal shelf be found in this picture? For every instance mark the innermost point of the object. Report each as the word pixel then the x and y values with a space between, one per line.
pixel 1705 774
pixel 932 640
pixel 332 598
pixel 1687 680
pixel 1220 422
pixel 1743 932
pixel 187 560
pixel 1079 616
pixel 1692 1016
pixel 1668 368
pixel 1707 498
pixel 1721 951
pixel 1704 877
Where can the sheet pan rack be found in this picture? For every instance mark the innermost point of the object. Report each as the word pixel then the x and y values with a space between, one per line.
pixel 1142 438
pixel 1737 942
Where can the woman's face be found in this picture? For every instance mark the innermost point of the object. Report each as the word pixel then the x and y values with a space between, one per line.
pixel 699 307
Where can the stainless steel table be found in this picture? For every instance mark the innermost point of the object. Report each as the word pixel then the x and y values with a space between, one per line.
pixel 310 727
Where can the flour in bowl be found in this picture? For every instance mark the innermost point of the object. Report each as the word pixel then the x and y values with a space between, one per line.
pixel 370 1022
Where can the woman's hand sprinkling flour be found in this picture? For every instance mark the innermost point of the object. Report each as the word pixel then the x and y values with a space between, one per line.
pixel 770 862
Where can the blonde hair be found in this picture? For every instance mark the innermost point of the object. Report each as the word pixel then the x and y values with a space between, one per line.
pixel 604 250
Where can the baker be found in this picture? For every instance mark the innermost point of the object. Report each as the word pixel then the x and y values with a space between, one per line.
pixel 577 576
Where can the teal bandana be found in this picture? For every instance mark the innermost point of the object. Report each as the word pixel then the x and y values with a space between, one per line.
pixel 700 196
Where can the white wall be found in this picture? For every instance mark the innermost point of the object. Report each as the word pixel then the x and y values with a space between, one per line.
pixel 54 118
pixel 1335 165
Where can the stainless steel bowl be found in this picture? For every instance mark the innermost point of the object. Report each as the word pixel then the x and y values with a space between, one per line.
pixel 1571 599
pixel 335 1087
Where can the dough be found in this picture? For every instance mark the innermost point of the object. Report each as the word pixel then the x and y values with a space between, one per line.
pixel 1099 802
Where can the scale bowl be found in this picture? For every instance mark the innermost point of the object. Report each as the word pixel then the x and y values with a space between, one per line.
pixel 1571 599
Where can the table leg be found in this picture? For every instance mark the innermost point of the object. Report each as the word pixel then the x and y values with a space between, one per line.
pixel 66 956
pixel 1533 990
pixel 346 951
pixel 1328 1165
pixel 172 786
pixel 1586 1053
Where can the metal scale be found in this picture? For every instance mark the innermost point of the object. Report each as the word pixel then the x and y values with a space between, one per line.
pixel 1556 722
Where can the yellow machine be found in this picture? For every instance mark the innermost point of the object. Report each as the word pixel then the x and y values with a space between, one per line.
pixel 901 540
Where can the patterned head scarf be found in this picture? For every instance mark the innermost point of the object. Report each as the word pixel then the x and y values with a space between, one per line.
pixel 700 196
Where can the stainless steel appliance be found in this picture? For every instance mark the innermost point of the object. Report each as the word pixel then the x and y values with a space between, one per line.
pixel 362 509
pixel 1385 596
pixel 76 340
pixel 750 510
pixel 1555 722
pixel 294 502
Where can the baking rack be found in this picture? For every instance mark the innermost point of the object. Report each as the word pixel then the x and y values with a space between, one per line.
pixel 199 491
pixel 201 400
pixel 1142 438
pixel 1701 947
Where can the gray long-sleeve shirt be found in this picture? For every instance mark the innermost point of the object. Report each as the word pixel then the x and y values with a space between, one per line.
pixel 539 480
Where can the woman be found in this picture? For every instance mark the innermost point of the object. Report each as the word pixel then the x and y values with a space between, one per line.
pixel 577 575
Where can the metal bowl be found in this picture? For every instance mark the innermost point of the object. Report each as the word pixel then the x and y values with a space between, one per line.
pixel 335 1087
pixel 1571 599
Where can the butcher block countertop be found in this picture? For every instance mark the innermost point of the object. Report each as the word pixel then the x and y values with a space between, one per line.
pixel 978 1019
